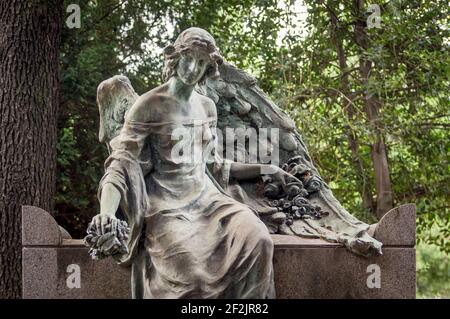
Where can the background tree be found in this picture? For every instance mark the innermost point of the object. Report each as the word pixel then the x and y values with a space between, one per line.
pixel 29 46
pixel 409 69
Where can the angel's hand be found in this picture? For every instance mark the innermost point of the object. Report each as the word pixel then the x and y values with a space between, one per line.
pixel 284 178
pixel 101 221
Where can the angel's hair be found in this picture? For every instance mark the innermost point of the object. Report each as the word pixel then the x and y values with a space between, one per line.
pixel 192 39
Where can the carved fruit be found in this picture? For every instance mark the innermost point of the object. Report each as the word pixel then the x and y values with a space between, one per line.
pixel 287 141
pixel 271 190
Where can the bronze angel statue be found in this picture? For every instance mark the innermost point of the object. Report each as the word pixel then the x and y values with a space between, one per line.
pixel 197 224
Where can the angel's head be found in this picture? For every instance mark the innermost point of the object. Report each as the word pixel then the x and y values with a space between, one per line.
pixel 193 57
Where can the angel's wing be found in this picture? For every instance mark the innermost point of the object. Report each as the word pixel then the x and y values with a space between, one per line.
pixel 241 103
pixel 114 97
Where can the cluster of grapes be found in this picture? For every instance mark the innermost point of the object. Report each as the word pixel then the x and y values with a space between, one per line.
pixel 298 208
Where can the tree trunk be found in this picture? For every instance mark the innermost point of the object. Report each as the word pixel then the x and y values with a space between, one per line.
pixel 363 185
pixel 29 46
pixel 372 104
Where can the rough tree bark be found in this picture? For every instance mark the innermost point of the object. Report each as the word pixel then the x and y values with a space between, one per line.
pixel 372 105
pixel 29 46
pixel 363 184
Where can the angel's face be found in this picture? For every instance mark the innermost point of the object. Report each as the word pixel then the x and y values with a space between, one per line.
pixel 191 67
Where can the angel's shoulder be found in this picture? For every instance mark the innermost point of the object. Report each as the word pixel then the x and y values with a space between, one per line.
pixel 148 106
pixel 209 105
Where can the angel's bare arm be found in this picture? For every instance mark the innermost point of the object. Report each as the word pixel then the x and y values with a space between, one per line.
pixel 110 200
pixel 110 196
pixel 140 112
pixel 109 203
pixel 242 171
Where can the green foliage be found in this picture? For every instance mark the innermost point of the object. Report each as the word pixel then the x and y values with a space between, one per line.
pixel 433 272
pixel 409 76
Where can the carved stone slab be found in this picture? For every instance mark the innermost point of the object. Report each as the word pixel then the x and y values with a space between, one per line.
pixel 39 228
pixel 304 268
pixel 398 227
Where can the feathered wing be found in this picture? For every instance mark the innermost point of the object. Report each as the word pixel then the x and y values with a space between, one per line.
pixel 242 104
pixel 115 96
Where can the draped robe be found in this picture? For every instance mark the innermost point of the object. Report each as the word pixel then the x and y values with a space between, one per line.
pixel 188 238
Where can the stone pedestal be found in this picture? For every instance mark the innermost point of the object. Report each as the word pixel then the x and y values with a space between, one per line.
pixel 56 266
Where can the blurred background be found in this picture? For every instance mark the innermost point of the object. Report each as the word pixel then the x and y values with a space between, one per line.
pixel 360 78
